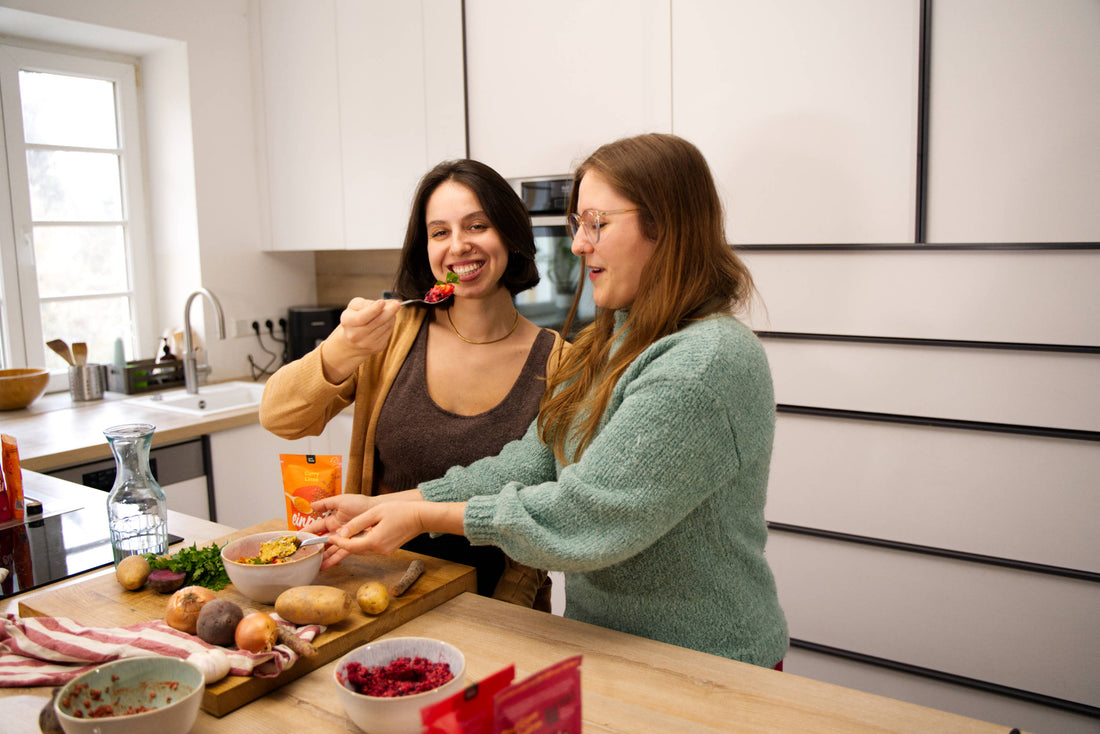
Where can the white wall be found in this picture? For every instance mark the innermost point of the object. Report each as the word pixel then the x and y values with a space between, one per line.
pixel 201 154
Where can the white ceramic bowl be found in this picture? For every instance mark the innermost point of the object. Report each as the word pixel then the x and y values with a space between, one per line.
pixel 264 582
pixel 178 687
pixel 400 715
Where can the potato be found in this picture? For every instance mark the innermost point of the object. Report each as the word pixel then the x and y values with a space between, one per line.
pixel 132 572
pixel 314 605
pixel 373 597
pixel 218 620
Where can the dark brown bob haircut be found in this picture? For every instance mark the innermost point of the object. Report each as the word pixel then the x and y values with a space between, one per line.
pixel 501 205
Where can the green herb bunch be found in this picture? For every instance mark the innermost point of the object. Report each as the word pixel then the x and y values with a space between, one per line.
pixel 203 566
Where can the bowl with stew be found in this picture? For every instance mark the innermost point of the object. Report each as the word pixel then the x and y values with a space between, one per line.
pixel 264 581
pixel 146 695
pixel 384 684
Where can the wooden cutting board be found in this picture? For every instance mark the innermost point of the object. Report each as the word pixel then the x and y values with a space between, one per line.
pixel 100 601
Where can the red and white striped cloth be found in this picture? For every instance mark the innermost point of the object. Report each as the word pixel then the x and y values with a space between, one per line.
pixel 50 651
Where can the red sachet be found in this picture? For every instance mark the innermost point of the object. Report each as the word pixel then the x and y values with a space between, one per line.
pixel 470 711
pixel 549 702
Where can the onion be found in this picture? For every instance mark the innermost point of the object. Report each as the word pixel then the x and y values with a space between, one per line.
pixel 257 632
pixel 183 607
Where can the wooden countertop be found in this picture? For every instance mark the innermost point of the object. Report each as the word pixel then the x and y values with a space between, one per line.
pixel 629 684
pixel 55 432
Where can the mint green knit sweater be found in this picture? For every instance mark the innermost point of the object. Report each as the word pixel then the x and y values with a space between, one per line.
pixel 659 528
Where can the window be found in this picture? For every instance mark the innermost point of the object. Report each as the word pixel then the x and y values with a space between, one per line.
pixel 73 254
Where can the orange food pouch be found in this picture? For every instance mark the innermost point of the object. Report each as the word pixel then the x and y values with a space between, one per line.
pixel 13 476
pixel 306 479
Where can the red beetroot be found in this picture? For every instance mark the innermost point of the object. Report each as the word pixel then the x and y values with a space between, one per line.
pixel 402 677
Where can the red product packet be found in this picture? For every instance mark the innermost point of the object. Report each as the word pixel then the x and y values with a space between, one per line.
pixel 13 476
pixel 306 479
pixel 5 501
pixel 470 711
pixel 548 702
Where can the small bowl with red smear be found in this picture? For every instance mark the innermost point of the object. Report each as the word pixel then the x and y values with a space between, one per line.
pixel 384 684
pixel 146 695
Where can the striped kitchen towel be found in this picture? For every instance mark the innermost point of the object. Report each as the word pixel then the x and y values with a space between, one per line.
pixel 50 651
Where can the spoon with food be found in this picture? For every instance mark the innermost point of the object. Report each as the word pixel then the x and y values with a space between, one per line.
pixel 438 293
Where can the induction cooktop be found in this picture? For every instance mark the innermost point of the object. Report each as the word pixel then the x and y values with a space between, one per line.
pixel 53 543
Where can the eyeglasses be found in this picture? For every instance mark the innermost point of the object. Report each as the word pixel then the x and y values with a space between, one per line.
pixel 590 218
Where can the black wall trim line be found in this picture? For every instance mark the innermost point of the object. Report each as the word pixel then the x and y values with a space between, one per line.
pixel 959 680
pixel 924 73
pixel 964 425
pixel 928 550
pixel 937 247
pixel 923 342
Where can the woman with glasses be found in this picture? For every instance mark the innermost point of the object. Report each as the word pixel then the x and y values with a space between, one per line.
pixel 644 477
pixel 435 385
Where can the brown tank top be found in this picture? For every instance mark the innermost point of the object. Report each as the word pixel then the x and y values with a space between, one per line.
pixel 416 440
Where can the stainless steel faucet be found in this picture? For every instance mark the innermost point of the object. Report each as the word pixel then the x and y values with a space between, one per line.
pixel 190 362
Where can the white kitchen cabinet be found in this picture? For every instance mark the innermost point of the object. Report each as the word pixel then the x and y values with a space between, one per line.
pixel 806 112
pixel 248 482
pixel 357 99
pixel 550 82
pixel 1014 112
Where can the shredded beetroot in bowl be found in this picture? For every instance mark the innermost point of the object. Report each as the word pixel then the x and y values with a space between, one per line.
pixel 402 677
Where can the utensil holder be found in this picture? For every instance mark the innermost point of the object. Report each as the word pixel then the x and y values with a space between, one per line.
pixel 86 382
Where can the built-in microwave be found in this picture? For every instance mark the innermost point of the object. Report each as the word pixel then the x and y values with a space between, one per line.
pixel 546 198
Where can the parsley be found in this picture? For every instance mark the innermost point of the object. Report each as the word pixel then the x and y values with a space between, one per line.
pixel 203 566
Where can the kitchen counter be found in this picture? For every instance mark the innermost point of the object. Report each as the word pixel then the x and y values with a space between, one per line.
pixel 55 432
pixel 630 684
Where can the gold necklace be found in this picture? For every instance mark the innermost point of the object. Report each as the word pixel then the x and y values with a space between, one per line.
pixel 491 341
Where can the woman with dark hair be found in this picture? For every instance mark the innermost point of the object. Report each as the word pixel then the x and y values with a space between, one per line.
pixel 645 476
pixel 435 385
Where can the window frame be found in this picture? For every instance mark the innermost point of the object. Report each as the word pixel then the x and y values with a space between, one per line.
pixel 23 342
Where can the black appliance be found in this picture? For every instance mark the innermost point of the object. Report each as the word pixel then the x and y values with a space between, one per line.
pixel 546 196
pixel 307 326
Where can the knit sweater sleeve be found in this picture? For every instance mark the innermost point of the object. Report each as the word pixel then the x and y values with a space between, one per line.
pixel 684 418
pixel 525 461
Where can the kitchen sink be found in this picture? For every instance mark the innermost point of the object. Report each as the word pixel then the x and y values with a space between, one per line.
pixel 210 399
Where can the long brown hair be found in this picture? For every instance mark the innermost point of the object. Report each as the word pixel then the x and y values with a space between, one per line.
pixel 692 274
pixel 501 204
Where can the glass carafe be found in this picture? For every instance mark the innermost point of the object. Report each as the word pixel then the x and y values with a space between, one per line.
pixel 137 509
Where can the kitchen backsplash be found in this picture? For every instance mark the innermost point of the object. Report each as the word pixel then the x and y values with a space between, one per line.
pixel 344 274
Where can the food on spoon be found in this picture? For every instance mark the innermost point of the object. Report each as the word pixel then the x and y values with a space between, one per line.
pixel 441 291
pixel 412 573
pixel 373 597
pixel 217 621
pixel 132 572
pixel 257 632
pixel 184 607
pixel 164 581
pixel 314 605
pixel 275 550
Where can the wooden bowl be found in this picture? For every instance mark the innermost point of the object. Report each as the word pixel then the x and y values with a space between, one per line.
pixel 21 387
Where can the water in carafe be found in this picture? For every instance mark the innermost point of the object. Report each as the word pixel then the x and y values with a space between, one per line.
pixel 137 509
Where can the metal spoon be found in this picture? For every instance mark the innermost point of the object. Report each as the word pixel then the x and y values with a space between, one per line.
pixel 314 541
